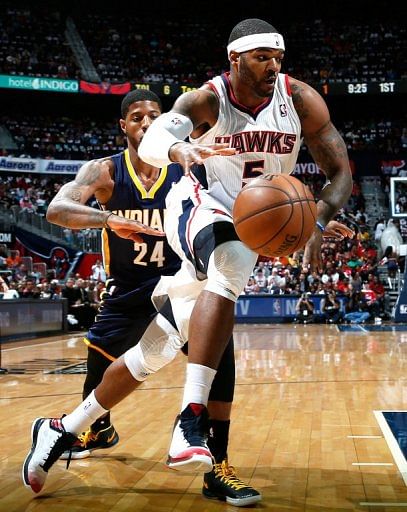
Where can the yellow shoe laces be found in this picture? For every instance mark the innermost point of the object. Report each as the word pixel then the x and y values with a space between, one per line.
pixel 228 475
pixel 86 437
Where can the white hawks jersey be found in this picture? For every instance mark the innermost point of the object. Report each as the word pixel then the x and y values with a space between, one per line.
pixel 266 139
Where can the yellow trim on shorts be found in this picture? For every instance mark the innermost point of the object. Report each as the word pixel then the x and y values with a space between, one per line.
pixel 105 251
pixel 137 182
pixel 98 349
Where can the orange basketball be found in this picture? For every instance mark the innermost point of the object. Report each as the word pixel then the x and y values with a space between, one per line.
pixel 276 216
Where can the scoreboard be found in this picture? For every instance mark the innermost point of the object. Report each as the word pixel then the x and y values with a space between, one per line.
pixel 388 87
pixel 163 89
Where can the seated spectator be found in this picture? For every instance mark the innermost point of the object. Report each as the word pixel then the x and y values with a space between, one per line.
pixel 7 290
pixel 98 272
pixel 78 302
pixel 372 302
pixel 261 281
pixel 29 290
pixel 251 288
pixel 14 260
pixel 3 257
pixel 304 310
pixel 356 307
pixel 331 308
pixel 26 205
pixel 3 287
pixel 47 292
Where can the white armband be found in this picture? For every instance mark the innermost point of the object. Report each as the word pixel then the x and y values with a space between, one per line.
pixel 163 133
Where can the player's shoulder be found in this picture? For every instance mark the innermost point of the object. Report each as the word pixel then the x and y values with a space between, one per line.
pixel 301 91
pixel 97 167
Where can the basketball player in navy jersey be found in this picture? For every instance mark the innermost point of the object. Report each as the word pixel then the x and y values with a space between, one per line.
pixel 130 191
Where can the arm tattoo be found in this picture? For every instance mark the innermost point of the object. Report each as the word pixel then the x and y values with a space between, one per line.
pixel 90 175
pixel 296 93
pixel 185 103
pixel 76 195
pixel 328 149
pixel 68 208
pixel 329 152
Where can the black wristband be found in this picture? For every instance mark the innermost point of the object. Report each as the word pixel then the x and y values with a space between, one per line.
pixel 105 224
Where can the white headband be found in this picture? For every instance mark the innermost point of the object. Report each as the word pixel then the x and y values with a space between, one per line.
pixel 266 40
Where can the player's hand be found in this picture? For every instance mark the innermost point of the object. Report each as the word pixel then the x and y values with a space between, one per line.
pixel 188 154
pixel 312 259
pixel 131 229
pixel 337 230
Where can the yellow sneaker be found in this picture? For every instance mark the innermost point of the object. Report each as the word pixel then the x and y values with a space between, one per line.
pixel 89 441
pixel 223 484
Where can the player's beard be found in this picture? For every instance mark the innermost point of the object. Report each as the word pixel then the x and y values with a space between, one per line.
pixel 259 87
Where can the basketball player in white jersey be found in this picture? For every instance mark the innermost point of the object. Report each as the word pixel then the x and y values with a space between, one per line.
pixel 246 123
pixel 261 115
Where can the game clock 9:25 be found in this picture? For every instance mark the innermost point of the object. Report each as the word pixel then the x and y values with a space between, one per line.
pixel 357 88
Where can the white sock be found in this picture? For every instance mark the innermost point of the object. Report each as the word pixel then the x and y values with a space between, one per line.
pixel 84 415
pixel 197 385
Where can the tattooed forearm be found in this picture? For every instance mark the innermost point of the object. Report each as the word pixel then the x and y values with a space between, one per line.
pixel 328 149
pixel 329 152
pixel 298 100
pixel 75 216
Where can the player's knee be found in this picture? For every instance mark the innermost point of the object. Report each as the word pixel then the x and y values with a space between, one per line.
pixel 229 268
pixel 158 346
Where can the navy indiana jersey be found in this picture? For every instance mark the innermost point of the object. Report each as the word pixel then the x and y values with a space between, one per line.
pixel 135 265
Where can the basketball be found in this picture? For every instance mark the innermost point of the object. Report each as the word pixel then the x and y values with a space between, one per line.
pixel 275 216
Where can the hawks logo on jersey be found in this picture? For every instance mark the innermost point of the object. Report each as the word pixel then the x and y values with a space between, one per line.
pixel 260 141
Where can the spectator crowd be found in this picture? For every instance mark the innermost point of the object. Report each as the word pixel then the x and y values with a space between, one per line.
pixel 354 270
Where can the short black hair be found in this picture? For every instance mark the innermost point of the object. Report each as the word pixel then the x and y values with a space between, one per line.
pixel 138 95
pixel 249 27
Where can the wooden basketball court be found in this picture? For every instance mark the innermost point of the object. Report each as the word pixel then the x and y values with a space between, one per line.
pixel 304 432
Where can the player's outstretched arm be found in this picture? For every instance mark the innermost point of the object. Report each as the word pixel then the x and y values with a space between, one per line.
pixel 329 152
pixel 68 208
pixel 164 142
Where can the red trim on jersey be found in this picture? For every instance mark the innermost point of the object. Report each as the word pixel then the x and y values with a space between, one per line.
pixel 232 98
pixel 287 85
pixel 197 187
pixel 212 86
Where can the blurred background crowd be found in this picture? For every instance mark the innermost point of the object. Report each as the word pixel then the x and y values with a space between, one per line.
pixel 361 276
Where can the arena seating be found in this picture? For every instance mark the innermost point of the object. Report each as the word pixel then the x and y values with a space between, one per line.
pixel 155 49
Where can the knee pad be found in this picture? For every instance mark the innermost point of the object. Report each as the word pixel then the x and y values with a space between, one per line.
pixel 229 269
pixel 158 346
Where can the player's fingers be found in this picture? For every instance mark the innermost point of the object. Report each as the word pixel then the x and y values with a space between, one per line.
pixel 151 231
pixel 217 146
pixel 305 262
pixel 226 152
pixel 135 237
pixel 348 232
pixel 337 235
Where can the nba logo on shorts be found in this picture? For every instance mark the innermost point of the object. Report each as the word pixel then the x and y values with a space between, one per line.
pixel 283 110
